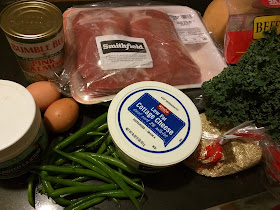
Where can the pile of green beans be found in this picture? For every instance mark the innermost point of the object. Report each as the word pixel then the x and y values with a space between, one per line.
pixel 71 164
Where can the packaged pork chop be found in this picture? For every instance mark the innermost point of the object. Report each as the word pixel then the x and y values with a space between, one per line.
pixel 109 48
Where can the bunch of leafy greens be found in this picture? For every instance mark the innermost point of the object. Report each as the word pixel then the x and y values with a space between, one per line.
pixel 250 90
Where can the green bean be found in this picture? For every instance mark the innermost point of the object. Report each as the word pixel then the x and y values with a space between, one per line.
pixel 83 131
pixel 71 170
pixel 136 180
pixel 116 201
pixel 82 189
pixel 66 179
pixel 95 144
pixel 131 182
pixel 83 162
pixel 95 133
pixel 108 152
pixel 56 141
pixel 31 190
pixel 57 185
pixel 102 127
pixel 49 189
pixel 63 176
pixel 89 203
pixel 110 193
pixel 60 161
pixel 57 160
pixel 67 182
pixel 41 190
pixel 113 175
pixel 50 155
pixel 103 146
pixel 81 179
pixel 114 154
pixel 112 161
pixel 81 141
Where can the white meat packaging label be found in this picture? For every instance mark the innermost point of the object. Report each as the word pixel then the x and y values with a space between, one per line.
pixel 122 52
pixel 189 28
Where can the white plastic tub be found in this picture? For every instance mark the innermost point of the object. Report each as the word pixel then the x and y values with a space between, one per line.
pixel 23 137
pixel 153 125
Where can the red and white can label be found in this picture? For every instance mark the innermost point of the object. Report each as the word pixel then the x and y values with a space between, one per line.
pixel 40 61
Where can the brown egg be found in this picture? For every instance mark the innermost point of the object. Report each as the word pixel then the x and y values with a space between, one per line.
pixel 44 93
pixel 61 115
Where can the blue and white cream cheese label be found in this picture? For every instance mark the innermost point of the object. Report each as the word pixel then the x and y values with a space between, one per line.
pixel 153 121
pixel 164 123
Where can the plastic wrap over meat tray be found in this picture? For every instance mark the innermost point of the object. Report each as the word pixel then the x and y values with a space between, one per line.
pixel 108 49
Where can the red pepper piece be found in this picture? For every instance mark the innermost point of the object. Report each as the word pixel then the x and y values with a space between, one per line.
pixel 214 151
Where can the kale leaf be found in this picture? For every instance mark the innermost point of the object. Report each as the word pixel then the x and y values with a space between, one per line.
pixel 250 90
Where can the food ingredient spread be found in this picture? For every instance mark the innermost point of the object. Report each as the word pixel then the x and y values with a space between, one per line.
pixel 250 90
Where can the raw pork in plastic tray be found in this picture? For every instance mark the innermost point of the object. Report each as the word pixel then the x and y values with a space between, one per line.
pixel 108 49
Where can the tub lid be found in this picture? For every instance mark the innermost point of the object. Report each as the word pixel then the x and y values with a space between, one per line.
pixel 154 123
pixel 19 122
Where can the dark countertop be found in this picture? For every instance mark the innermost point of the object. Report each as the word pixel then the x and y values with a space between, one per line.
pixel 175 188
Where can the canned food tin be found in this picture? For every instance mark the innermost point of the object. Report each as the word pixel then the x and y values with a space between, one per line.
pixel 34 30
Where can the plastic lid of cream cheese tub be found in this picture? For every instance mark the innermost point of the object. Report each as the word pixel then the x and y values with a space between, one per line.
pixel 154 123
pixel 20 119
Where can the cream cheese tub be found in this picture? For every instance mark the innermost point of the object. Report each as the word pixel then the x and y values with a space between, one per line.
pixel 153 125
pixel 23 137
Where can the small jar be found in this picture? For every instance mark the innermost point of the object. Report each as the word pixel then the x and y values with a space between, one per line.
pixel 23 137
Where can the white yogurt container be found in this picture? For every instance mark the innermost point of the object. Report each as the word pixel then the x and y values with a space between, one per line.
pixel 23 137
pixel 153 125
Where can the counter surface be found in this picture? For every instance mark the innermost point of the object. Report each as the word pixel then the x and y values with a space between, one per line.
pixel 175 188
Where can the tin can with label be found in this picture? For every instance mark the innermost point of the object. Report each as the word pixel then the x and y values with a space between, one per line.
pixel 34 30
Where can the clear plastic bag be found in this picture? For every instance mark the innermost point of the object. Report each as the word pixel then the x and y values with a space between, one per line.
pixel 247 21
pixel 109 48
pixel 264 4
pixel 223 152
